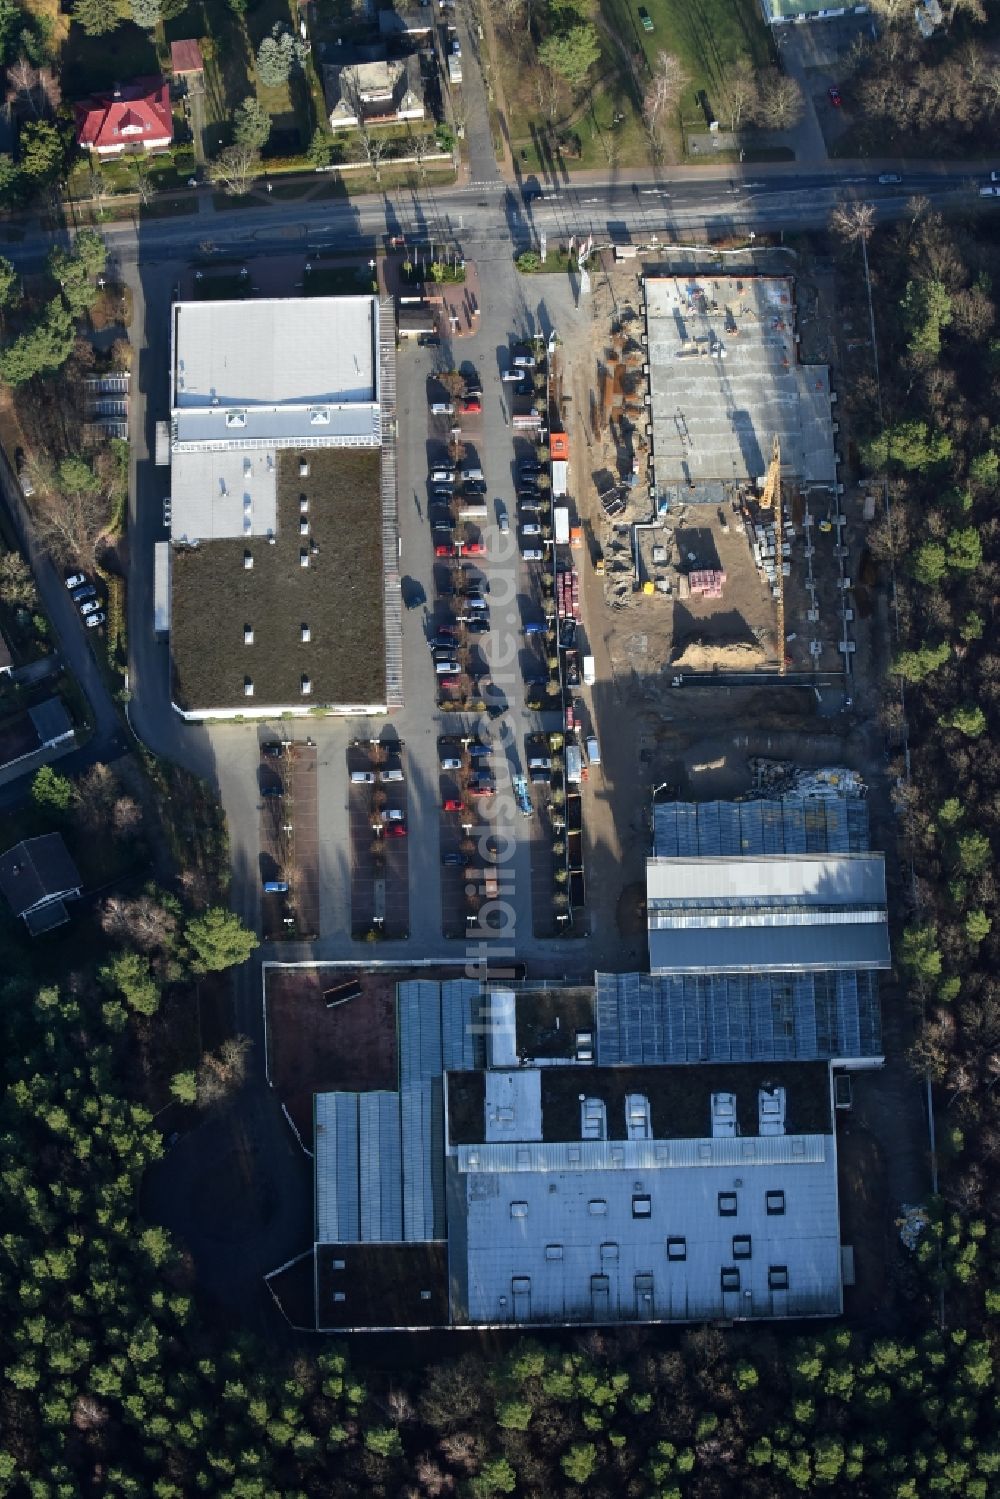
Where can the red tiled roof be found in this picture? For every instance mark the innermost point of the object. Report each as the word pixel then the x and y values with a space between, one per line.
pixel 185 57
pixel 134 112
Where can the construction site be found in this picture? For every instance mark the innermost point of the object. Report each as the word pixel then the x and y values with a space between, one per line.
pixel 717 522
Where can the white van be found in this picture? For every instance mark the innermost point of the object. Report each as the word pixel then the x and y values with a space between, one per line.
pixel 469 474
pixel 394 774
pixel 593 751
pixel 524 361
pixel 363 777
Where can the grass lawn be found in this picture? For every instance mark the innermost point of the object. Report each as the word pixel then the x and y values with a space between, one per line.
pixel 337 281
pixel 92 63
pixel 228 62
pixel 707 35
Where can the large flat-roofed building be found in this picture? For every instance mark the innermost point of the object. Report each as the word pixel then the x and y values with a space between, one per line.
pixel 489 1190
pixel 725 379
pixel 283 508
pixel 644 1195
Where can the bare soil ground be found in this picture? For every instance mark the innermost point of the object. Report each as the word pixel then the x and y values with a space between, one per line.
pixel 864 1206
pixel 314 1050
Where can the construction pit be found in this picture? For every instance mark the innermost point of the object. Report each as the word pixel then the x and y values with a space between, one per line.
pixel 701 407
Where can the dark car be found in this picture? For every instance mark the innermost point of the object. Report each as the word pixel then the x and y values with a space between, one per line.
pixel 272 748
pixel 429 341
pixel 272 790
pixel 79 595
pixel 478 626
pixel 474 486
pixel 524 388
pixel 835 98
pixel 453 861
pixel 479 751
pixel 529 466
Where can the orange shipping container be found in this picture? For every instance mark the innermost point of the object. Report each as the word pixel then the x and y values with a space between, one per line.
pixel 559 446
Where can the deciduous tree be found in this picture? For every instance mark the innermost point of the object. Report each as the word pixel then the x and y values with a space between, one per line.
pixel 234 169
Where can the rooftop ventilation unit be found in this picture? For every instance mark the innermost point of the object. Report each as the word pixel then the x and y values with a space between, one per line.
pixel 723 1115
pixel 638 1119
pixel 248 634
pixel 248 561
pixel 248 686
pixel 771 1111
pixel 236 418
pixel 306 634
pixel 305 686
pixel 319 417
pixel 593 1118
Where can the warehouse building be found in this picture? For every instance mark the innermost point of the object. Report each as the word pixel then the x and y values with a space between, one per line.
pixel 282 476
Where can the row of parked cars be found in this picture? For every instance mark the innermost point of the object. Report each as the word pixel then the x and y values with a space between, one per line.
pixel 84 595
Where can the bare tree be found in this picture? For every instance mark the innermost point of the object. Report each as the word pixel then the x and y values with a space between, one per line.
pixel 144 922
pixel 17 583
pixel 141 180
pixel 662 96
pixel 234 169
pixel 32 90
pixel 453 383
pixel 550 93
pixel 99 189
pixel 373 146
pixel 781 104
pixel 739 90
pixel 70 526
pixel 855 222
pixel 223 1072
pixel 892 12
pixel 419 147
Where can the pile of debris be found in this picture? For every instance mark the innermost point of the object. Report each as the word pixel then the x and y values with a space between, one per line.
pixel 708 583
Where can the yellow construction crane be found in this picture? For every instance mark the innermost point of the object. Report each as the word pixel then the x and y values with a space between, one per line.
pixel 771 499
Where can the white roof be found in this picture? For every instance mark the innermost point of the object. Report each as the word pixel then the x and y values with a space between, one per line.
pixel 594 1231
pixel 804 879
pixel 514 1104
pixel 274 351
pixel 220 492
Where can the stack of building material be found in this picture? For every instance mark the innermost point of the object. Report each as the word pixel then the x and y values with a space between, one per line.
pixel 568 594
pixel 707 583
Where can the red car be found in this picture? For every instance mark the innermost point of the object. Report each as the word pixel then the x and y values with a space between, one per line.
pixel 396 830
pixel 472 406
pixel 835 98
pixel 474 548
pixel 444 549
pixel 448 682
pixel 451 804
pixel 482 791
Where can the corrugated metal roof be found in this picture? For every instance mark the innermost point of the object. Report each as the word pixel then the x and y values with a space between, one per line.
pixel 337 1168
pixel 590 1240
pixel 808 879
pixel 380 1186
pixel 763 1016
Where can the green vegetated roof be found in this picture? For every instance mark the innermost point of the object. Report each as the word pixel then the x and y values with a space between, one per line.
pixel 339 596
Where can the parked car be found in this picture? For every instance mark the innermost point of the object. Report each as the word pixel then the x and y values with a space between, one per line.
pixel 511 376
pixel 93 620
pixel 525 361
pixel 396 830
pixel 394 773
pixel 474 487
pixel 529 466
pixel 475 601
pixel 363 777
pixel 473 474
pixel 442 408
pixel 503 520
pixel 452 804
pixel 478 751
pixel 429 341
pixel 524 387
pixel 442 476
pixel 444 549
pixel 995 176
pixel 275 887
pixel 477 626
pixel 530 505
pixel 449 682
pixel 453 861
pixel 834 95
pixel 474 548
pixel 531 528
pixel 645 18
pixel 888 179
pixel 272 748
pixel 472 406
pixel 274 790
pixel 533 554
pixel 535 627
pixel 87 592
pixel 90 606
pixel 392 814
pixel 989 192
pixel 76 580
pixel 450 762
pixel 539 762
pixel 446 668
pixel 444 640
pixel 483 788
pixel 444 496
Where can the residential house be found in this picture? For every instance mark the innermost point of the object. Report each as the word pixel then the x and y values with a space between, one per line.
pixel 382 92
pixel 37 878
pixel 134 118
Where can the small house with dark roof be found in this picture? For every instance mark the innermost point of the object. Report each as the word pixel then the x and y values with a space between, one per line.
pixel 37 878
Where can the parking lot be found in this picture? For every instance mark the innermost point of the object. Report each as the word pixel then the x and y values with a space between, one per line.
pixel 289 839
pixel 380 897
